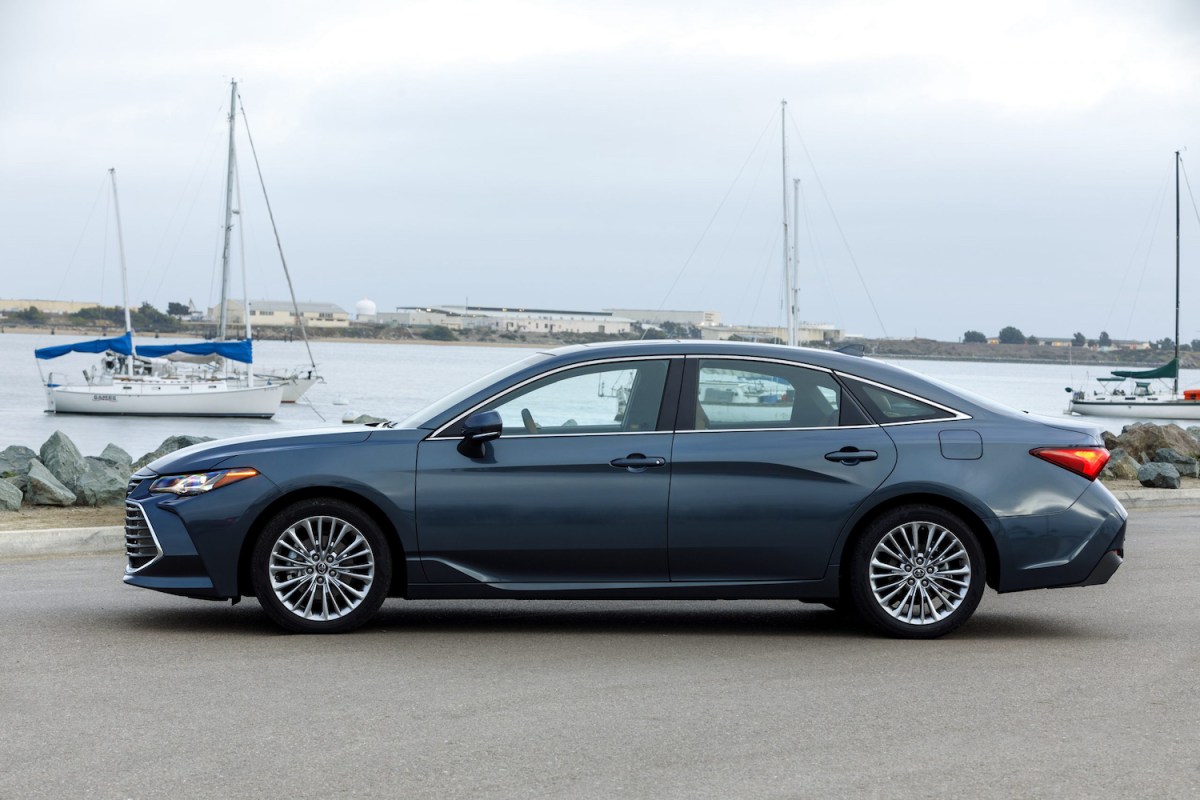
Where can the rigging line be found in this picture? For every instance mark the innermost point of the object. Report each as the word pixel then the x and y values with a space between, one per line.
pixel 713 219
pixel 818 258
pixel 771 256
pixel 275 230
pixel 1152 216
pixel 1146 261
pixel 79 241
pixel 837 223
pixel 762 163
pixel 164 269
pixel 1188 183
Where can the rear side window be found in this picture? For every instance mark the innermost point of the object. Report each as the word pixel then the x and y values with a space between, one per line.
pixel 733 394
pixel 888 406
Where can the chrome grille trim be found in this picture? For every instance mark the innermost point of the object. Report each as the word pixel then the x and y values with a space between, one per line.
pixel 141 545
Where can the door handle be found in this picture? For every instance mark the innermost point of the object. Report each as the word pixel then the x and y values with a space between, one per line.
pixel 851 456
pixel 636 462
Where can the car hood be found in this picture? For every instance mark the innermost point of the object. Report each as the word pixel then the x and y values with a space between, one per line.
pixel 210 455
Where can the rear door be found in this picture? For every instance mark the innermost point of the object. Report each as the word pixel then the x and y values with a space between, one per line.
pixel 770 461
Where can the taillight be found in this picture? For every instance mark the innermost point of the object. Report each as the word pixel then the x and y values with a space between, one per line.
pixel 1085 461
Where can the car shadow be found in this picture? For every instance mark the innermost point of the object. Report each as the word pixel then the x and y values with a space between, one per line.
pixel 682 618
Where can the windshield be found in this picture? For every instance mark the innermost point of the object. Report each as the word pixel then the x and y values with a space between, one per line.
pixel 444 404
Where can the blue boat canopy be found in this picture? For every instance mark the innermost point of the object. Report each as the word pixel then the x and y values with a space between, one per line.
pixel 120 344
pixel 241 350
pixel 235 351
pixel 1168 370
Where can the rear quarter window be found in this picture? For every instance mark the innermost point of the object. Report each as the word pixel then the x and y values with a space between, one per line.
pixel 888 406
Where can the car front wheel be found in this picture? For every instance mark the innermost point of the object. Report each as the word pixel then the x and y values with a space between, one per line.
pixel 917 572
pixel 321 566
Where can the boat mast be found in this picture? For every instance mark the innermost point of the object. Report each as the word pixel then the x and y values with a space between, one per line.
pixel 112 173
pixel 224 318
pixel 787 256
pixel 1176 390
pixel 794 296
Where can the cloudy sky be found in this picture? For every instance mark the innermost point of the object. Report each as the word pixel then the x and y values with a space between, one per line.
pixel 963 165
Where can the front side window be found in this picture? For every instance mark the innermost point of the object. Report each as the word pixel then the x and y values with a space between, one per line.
pixel 733 394
pixel 621 397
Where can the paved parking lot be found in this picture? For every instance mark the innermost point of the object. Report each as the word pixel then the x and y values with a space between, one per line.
pixel 112 692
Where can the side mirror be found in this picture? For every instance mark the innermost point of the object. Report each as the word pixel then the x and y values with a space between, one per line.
pixel 480 427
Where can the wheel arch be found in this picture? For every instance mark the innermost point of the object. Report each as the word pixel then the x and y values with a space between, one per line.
pixel 399 585
pixel 960 509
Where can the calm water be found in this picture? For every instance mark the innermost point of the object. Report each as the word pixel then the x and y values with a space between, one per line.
pixel 394 380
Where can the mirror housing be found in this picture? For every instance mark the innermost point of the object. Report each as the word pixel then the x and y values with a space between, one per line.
pixel 480 427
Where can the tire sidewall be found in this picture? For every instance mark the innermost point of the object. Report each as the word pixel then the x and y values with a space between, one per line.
pixel 324 507
pixel 860 584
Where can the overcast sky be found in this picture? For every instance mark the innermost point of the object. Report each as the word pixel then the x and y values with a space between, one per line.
pixel 964 165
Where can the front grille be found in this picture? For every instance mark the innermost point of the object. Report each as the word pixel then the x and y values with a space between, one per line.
pixel 133 484
pixel 140 546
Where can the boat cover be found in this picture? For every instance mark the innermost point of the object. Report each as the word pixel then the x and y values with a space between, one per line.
pixel 241 350
pixel 1168 370
pixel 120 344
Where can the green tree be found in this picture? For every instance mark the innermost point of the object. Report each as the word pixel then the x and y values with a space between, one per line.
pixel 1079 341
pixel 30 316
pixel 1031 339
pixel 1104 340
pixel 178 309
pixel 974 337
pixel 1011 335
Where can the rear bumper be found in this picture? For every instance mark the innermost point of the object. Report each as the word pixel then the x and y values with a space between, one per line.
pixel 1105 569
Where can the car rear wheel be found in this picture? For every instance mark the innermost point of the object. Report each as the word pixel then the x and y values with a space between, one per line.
pixel 321 566
pixel 917 572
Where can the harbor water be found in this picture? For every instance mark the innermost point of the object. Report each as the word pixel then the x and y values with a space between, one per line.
pixel 393 380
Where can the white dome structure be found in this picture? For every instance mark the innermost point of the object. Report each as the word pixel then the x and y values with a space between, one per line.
pixel 365 309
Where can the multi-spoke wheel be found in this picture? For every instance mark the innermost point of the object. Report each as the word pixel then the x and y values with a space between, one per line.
pixel 917 572
pixel 321 566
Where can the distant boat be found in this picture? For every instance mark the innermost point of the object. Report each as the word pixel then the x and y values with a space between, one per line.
pixel 128 381
pixel 1140 400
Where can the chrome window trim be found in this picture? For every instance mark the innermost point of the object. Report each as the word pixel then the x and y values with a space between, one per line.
pixel 777 430
pixel 767 359
pixel 958 415
pixel 438 434
pixel 153 537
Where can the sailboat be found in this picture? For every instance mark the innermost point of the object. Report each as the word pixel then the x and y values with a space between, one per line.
pixel 1142 401
pixel 128 381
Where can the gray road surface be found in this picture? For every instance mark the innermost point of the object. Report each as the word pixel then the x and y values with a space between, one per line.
pixel 112 692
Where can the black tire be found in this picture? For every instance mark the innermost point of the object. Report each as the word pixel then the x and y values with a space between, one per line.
pixel 917 572
pixel 331 563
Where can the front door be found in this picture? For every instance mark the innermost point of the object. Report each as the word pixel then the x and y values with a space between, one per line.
pixel 575 489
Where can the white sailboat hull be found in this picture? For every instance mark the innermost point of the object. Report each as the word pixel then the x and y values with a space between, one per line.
pixel 295 388
pixel 152 399
pixel 1137 409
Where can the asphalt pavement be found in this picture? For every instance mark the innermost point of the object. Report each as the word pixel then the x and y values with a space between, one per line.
pixel 115 692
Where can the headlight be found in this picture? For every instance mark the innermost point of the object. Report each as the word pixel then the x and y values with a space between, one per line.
pixel 200 482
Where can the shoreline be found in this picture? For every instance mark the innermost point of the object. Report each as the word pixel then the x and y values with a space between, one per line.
pixel 964 352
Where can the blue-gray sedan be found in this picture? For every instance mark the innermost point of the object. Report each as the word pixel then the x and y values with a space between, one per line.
pixel 667 470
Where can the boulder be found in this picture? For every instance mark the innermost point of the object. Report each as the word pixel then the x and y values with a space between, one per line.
pixel 1120 466
pixel 10 497
pixel 363 419
pixel 14 465
pixel 101 485
pixel 1141 440
pixel 1110 440
pixel 63 459
pixel 1194 430
pixel 118 458
pixel 45 489
pixel 1158 476
pixel 170 445
pixel 1169 455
